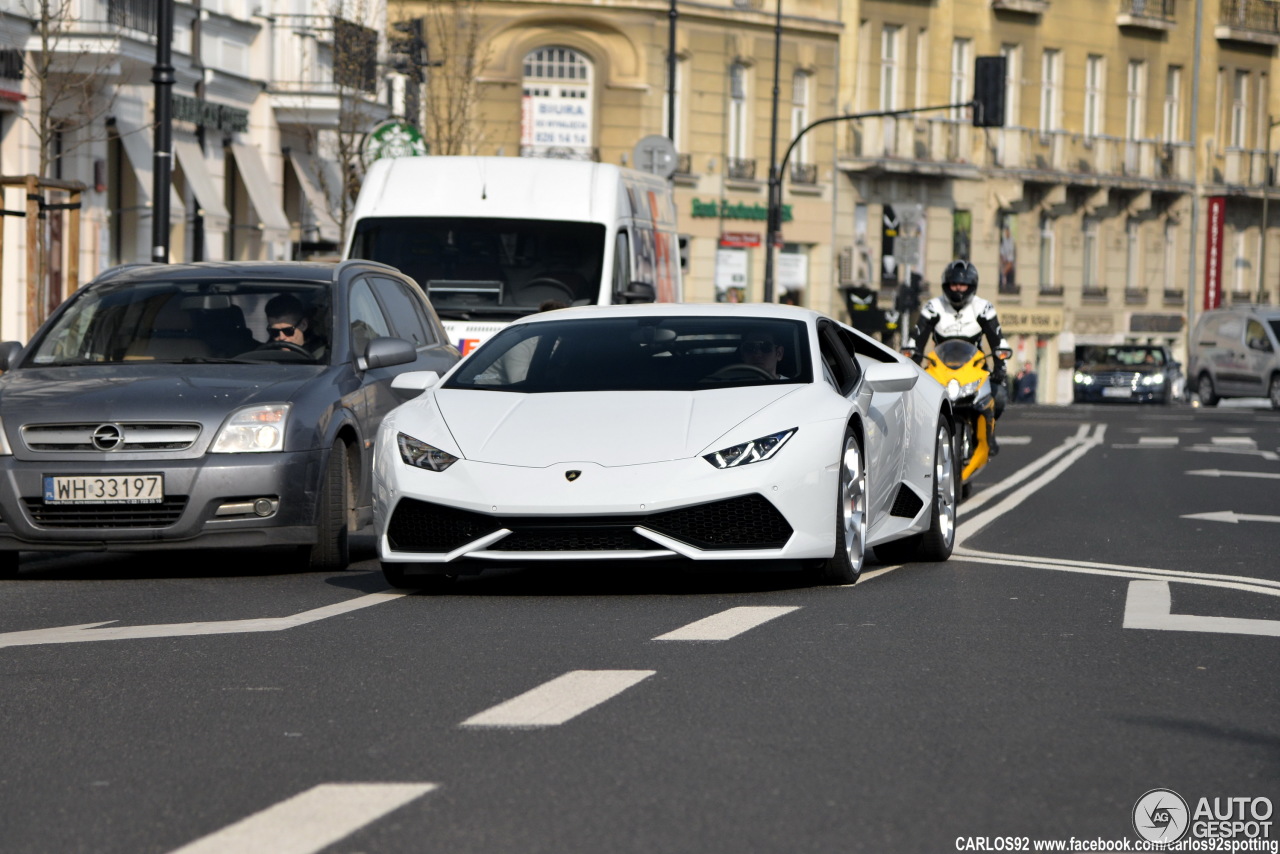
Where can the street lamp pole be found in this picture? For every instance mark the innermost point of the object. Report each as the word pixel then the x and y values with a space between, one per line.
pixel 774 227
pixel 1267 182
pixel 672 14
pixel 162 169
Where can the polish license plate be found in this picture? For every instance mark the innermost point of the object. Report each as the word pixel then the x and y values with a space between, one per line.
pixel 104 489
pixel 1117 392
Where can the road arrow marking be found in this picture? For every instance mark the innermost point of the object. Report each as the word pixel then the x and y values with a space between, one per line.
pixel 1232 517
pixel 86 632
pixel 1231 449
pixel 1220 473
pixel 1149 605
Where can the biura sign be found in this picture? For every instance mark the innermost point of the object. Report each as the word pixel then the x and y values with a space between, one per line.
pixel 723 209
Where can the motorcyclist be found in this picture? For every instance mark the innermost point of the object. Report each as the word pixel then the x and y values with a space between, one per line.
pixel 961 313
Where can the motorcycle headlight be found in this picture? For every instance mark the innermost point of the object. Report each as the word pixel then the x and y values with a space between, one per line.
pixel 1082 378
pixel 420 455
pixel 749 452
pixel 253 430
pixel 953 390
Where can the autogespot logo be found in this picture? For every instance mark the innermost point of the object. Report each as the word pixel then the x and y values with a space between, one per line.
pixel 1161 815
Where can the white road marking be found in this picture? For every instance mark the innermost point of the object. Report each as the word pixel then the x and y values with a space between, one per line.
pixel 728 624
pixel 1232 517
pixel 972 526
pixel 1234 441
pixel 1026 471
pixel 1232 449
pixel 310 821
pixel 1015 440
pixel 559 700
pixel 1149 604
pixel 87 632
pixel 1157 441
pixel 1220 473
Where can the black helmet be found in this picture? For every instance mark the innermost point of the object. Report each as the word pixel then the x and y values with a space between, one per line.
pixel 960 283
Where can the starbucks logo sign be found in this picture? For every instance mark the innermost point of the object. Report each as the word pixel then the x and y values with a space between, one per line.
pixel 393 138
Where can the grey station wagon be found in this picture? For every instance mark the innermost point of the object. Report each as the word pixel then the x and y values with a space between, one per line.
pixel 207 405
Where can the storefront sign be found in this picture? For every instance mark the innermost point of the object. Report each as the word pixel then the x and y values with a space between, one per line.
pixel 1167 323
pixel 393 139
pixel 731 275
pixel 208 115
pixel 739 239
pixel 1213 252
pixel 723 209
pixel 1035 321
pixel 558 121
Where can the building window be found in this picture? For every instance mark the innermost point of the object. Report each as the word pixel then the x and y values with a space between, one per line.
pixel 1170 254
pixel 1239 109
pixel 1012 83
pixel 1172 131
pixel 1047 259
pixel 890 66
pixel 1094 95
pixel 801 85
pixel 922 69
pixel 1242 266
pixel 1132 256
pixel 1089 254
pixel 558 105
pixel 738 111
pixel 1051 91
pixel 961 71
pixel 1135 118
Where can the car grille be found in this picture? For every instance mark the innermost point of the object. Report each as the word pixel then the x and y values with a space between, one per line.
pixel 160 515
pixel 746 522
pixel 1117 379
pixel 133 436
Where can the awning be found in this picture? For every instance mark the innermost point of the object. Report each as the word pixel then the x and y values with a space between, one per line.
pixel 201 182
pixel 137 147
pixel 261 190
pixel 305 168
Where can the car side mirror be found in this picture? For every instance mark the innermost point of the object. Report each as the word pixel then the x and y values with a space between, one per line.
pixel 385 353
pixel 892 376
pixel 410 384
pixel 9 353
pixel 637 292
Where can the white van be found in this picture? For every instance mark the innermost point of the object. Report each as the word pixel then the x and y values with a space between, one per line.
pixel 1235 352
pixel 491 239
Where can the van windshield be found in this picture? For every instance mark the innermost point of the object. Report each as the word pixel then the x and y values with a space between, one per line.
pixel 489 268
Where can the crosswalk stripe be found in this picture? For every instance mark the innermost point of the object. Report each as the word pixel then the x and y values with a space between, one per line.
pixel 559 700
pixel 309 821
pixel 727 624
pixel 1234 441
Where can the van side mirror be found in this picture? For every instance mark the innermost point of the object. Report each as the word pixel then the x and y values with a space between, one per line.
pixel 637 292
pixel 9 353
pixel 386 352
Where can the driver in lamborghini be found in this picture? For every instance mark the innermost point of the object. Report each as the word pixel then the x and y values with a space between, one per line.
pixel 961 313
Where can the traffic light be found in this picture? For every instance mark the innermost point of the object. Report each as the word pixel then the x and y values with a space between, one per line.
pixel 988 91
pixel 409 48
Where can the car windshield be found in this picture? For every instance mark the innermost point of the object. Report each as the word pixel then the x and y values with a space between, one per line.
pixel 642 353
pixel 497 269
pixel 1121 356
pixel 189 322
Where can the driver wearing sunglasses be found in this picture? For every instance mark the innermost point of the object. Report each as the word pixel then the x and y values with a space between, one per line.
pixel 759 350
pixel 287 323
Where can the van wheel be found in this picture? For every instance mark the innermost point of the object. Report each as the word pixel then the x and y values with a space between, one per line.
pixel 1205 391
pixel 1274 392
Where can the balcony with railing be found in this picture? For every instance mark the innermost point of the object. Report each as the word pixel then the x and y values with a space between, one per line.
pixel 1135 296
pixel 1246 167
pixel 323 68
pixel 1256 21
pixel 1147 14
pixel 740 168
pixel 804 174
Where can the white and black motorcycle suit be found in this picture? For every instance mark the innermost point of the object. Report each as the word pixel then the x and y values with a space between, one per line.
pixel 971 322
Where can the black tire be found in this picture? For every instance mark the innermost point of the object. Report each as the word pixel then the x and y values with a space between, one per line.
pixel 331 552
pixel 936 543
pixel 1273 392
pixel 396 576
pixel 8 564
pixel 1205 391
pixel 845 565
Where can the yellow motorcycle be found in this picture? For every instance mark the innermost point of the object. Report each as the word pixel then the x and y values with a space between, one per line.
pixel 961 368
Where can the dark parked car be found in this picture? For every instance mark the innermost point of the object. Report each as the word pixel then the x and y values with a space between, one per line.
pixel 207 405
pixel 1139 373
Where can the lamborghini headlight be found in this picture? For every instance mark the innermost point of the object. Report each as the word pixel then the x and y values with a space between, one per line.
pixel 750 452
pixel 419 454
pixel 253 430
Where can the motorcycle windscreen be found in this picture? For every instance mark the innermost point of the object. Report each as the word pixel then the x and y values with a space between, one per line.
pixel 956 353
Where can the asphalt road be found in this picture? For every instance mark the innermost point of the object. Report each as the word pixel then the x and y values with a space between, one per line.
pixel 1095 637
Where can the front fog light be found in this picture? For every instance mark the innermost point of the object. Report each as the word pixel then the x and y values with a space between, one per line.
pixel 750 452
pixel 255 429
pixel 421 455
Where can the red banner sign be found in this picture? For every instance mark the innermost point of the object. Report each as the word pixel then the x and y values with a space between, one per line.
pixel 1213 252
pixel 739 239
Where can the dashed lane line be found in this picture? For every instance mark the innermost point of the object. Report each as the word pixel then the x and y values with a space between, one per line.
pixel 310 821
pixel 559 700
pixel 727 624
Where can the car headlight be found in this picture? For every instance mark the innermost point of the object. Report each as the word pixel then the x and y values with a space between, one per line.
pixel 1082 378
pixel 5 450
pixel 1153 379
pixel 253 430
pixel 421 455
pixel 750 452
